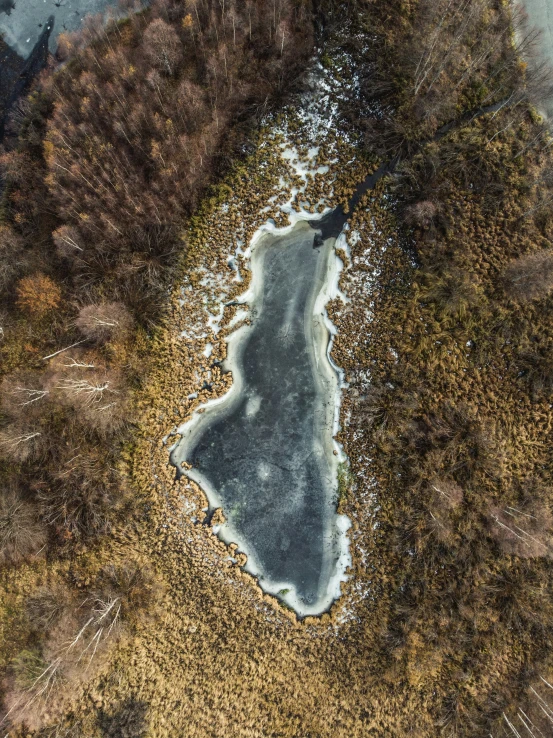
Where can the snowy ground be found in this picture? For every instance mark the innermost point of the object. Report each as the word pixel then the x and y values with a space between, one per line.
pixel 310 164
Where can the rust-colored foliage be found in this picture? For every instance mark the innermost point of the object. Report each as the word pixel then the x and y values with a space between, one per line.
pixel 38 295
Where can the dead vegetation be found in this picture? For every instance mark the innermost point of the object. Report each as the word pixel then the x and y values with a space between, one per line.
pixel 444 627
pixel 530 277
pixel 110 154
pixel 21 532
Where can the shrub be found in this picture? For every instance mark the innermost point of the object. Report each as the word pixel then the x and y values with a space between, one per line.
pixel 536 367
pixel 38 295
pixel 136 587
pixel 531 276
pixel 27 668
pixel 84 493
pixel 454 292
pixel 11 255
pixel 21 533
pixel 455 439
pixel 130 718
pixel 104 321
pixel 385 407
pixel 421 214
pixel 46 606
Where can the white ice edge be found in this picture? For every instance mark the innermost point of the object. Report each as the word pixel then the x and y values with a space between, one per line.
pixel 341 523
pixel 318 124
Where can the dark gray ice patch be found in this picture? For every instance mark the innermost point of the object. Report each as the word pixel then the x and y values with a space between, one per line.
pixel 265 453
pixel 6 6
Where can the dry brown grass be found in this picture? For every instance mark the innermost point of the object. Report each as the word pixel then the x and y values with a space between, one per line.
pixel 445 619
pixel 38 294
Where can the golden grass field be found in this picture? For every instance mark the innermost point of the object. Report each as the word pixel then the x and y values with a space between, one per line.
pixel 444 626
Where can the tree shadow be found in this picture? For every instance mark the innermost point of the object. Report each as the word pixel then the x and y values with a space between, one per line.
pixel 127 721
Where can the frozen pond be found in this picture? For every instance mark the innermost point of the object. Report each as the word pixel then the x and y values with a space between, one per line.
pixel 22 21
pixel 265 452
pixel 540 17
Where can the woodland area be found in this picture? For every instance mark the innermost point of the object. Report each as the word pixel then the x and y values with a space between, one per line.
pixel 460 424
pixel 112 151
pixel 115 150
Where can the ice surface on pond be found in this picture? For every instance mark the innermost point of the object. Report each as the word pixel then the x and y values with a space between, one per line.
pixel 22 21
pixel 540 18
pixel 265 452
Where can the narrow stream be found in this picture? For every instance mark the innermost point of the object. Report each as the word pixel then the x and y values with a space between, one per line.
pixel 265 453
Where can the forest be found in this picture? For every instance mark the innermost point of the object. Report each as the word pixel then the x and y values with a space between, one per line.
pixel 460 424
pixel 110 152
pixel 121 140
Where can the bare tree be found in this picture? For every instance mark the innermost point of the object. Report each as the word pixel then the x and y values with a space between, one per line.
pixel 98 395
pixel 67 241
pixel 20 442
pixel 22 394
pixel 21 532
pixel 104 321
pixel 162 45
pixel 531 276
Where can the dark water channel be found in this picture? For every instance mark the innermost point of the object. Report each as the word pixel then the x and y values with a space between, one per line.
pixel 265 454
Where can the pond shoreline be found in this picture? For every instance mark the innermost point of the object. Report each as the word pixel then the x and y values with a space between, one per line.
pixel 331 537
